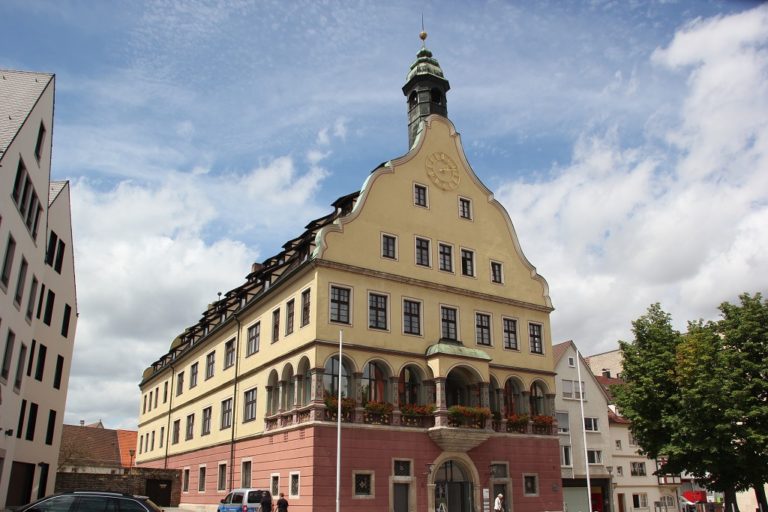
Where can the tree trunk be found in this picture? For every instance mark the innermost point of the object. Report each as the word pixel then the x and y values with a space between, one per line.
pixel 762 503
pixel 730 500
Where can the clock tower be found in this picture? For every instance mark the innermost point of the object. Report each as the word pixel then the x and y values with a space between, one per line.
pixel 425 87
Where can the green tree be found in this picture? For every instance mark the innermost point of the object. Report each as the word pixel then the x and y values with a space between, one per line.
pixel 700 399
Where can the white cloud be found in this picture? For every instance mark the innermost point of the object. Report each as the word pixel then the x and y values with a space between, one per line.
pixel 686 224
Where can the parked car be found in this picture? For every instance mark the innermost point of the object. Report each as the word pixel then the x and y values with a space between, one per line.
pixel 92 501
pixel 242 500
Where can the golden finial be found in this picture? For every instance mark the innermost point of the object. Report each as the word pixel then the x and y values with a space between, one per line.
pixel 423 33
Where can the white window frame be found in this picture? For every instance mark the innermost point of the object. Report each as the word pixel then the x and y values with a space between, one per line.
pixel 593 424
pixel 387 312
pixel 350 304
pixel 566 448
pixel 396 257
pixel 416 239
pixel 478 314
pixel 220 489
pixel 426 195
pixel 440 260
pixel 291 474
pixel 274 489
pixel 473 262
pixel 501 271
pixel 420 334
pixel 597 457
pixel 471 208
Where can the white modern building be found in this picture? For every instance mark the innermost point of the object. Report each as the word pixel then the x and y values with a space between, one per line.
pixel 38 308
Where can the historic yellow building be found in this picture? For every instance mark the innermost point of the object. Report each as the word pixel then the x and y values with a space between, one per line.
pixel 447 370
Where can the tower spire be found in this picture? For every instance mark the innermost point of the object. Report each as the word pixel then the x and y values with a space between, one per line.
pixel 425 87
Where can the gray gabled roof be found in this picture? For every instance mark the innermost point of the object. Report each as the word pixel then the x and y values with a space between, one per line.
pixel 19 91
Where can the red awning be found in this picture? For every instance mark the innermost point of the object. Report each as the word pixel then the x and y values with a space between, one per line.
pixel 695 496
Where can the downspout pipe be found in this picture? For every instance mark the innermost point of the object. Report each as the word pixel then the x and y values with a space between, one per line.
pixel 234 406
pixel 168 425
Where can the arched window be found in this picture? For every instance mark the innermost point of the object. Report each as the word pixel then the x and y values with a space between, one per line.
pixel 331 380
pixel 436 96
pixel 413 99
pixel 537 399
pixel 409 386
pixel 374 383
pixel 512 397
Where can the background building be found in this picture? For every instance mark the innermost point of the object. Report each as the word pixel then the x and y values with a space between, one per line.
pixel 38 309
pixel 446 334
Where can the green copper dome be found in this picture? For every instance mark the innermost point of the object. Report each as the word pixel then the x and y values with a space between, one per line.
pixel 424 64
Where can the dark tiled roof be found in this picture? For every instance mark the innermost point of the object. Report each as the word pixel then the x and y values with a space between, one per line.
pixel 615 418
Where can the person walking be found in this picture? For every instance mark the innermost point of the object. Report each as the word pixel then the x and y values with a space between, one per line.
pixel 266 502
pixel 282 503
pixel 498 504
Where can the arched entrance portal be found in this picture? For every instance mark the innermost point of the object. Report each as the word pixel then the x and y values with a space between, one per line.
pixel 453 488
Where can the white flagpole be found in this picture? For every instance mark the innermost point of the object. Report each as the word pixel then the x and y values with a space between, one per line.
pixel 338 428
pixel 583 429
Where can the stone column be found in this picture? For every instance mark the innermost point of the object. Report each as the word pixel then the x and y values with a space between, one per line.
pixel 270 390
pixel 298 395
pixel 282 387
pixel 317 411
pixel 482 388
pixel 441 413
pixel 395 399
pixel 525 402
pixel 549 404
pixel 357 394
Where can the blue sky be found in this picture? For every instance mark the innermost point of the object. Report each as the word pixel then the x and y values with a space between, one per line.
pixel 628 141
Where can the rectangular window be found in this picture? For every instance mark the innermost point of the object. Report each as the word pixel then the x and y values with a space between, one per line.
pixel 42 353
pixel 510 333
pixel 305 303
pixel 210 365
pixel 10 340
pixel 50 254
pixel 40 141
pixel 165 392
pixel 640 500
pixel 534 332
pixel 162 437
pixel 420 195
pixel 32 422
pixel 185 481
pixel 31 298
pixel 221 485
pixel 594 456
pixel 245 474
pixel 157 394
pixel 10 251
pixel 254 338
pixel 377 311
pixel 193 375
pixel 497 276
pixel 205 427
pixel 59 371
pixel 637 469
pixel 226 413
pixel 411 317
pixel 363 484
pixel 294 485
pixel 21 281
pixel 51 427
pixel 201 479
pixel 422 252
pixel 22 413
pixel 446 257
pixel 565 456
pixel 275 325
pixel 190 427
pixel 530 485
pixel 590 425
pixel 448 323
pixel 275 485
pixel 59 256
pixel 388 247
pixel 40 301
pixel 18 184
pixel 176 432
pixel 340 304
pixel 572 389
pixel 229 353
pixel 152 442
pixel 563 422
pixel 31 358
pixel 572 362
pixel 465 208
pixel 249 405
pixel 65 320
pixel 20 363
pixel 179 383
pixel 467 262
pixel 289 307
pixel 483 329
pixel 619 471
pixel 50 299
pixel 618 444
